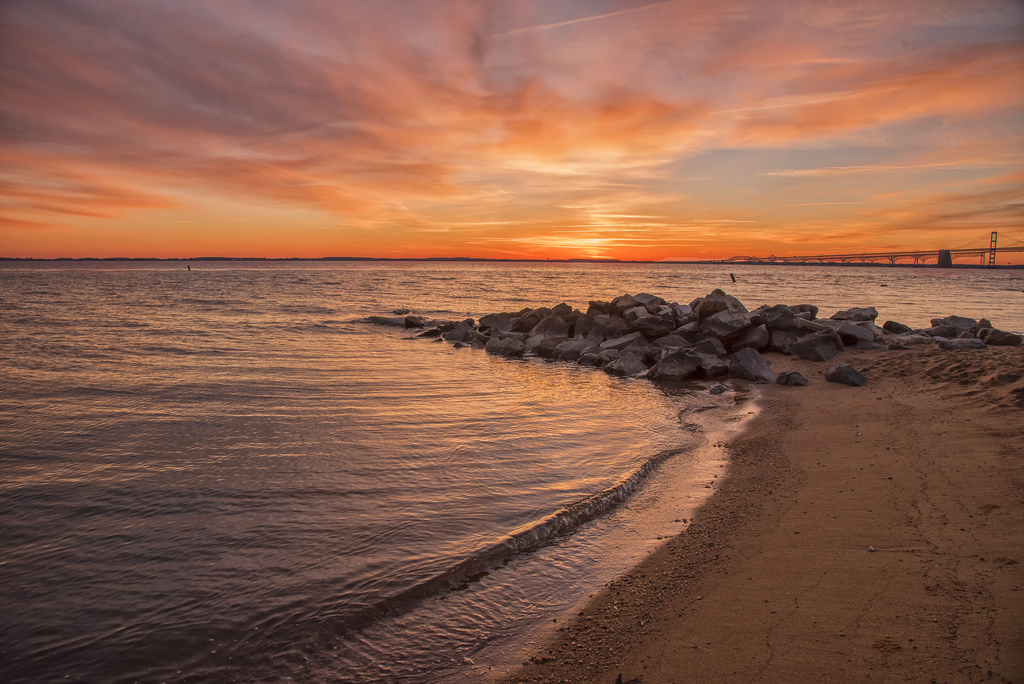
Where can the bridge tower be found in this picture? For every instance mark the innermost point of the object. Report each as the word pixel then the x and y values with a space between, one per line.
pixel 992 249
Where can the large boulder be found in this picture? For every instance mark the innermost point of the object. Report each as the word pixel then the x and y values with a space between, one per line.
pixel 997 337
pixel 551 326
pixel 623 341
pixel 711 346
pixel 960 322
pixel 505 346
pixel 896 328
pixel 845 374
pixel 865 313
pixel 939 331
pixel 819 346
pixel 653 325
pixel 649 301
pixel 713 366
pixel 497 323
pixel 782 341
pixel 570 350
pixel 852 333
pixel 460 331
pixel 963 343
pixel 754 338
pixel 728 326
pixel 628 365
pixel 677 365
pixel 621 303
pixel 716 302
pixel 748 363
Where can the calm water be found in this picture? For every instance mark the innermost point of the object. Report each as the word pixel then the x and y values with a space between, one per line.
pixel 226 474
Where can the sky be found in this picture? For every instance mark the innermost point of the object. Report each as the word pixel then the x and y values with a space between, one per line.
pixel 628 129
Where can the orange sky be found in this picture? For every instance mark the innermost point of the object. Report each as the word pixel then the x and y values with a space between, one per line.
pixel 685 129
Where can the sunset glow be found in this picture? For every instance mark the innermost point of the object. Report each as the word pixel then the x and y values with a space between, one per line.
pixel 685 129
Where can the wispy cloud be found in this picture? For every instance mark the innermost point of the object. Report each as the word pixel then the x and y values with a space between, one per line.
pixel 436 126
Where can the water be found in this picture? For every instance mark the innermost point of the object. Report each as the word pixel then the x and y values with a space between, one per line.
pixel 227 474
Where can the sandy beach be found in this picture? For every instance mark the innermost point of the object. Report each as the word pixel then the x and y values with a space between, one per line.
pixel 869 533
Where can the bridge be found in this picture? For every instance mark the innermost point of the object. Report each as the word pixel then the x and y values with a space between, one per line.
pixel 985 249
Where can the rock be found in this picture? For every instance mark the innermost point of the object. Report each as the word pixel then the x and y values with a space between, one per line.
pixel 713 366
pixel 563 310
pixel 397 321
pixel 551 326
pixel 671 342
pixel 782 341
pixel 505 346
pixel 806 308
pixel 728 326
pixel 459 332
pixel 627 365
pixel 583 326
pixel 621 303
pixel 649 301
pixel 623 341
pixel 845 374
pixel 791 378
pixel 939 331
pixel 654 326
pixel 819 346
pixel 710 346
pixel 1001 338
pixel 499 322
pixel 963 343
pixel 677 365
pixel 959 322
pixel 714 303
pixel 866 313
pixel 870 346
pixel 719 389
pixel 415 322
pixel 851 333
pixel 633 313
pixel 748 363
pixel 570 350
pixel 896 328
pixel 754 338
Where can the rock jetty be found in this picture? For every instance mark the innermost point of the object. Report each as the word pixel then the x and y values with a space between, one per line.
pixel 712 337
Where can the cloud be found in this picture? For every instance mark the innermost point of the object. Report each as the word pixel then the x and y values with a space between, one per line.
pixel 492 119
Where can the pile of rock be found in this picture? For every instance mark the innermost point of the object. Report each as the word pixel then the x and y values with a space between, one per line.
pixel 714 336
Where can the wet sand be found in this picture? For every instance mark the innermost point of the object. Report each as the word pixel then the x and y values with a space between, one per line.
pixel 869 533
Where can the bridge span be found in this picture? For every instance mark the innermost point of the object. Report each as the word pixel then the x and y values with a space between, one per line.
pixel 986 255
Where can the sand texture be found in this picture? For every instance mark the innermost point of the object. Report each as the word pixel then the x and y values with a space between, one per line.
pixel 869 533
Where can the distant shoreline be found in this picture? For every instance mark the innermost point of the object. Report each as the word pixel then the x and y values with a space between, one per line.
pixel 738 264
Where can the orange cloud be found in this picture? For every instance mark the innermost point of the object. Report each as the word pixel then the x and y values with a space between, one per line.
pixel 584 128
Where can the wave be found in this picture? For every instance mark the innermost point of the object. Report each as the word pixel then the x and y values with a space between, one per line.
pixel 479 563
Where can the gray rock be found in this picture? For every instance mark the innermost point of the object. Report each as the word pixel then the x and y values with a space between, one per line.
pixel 627 365
pixel 728 326
pixel 782 341
pixel 791 378
pixel 845 374
pixel 865 313
pixel 939 331
pixel 649 301
pixel 819 346
pixel 718 389
pixel 633 313
pixel 710 346
pixel 677 365
pixel 960 322
pixel 715 302
pixel 896 328
pixel 459 332
pixel 713 366
pixel 870 346
pixel 748 363
pixel 854 334
pixel 505 346
pixel 497 323
pixel 671 342
pixel 653 325
pixel 415 322
pixel 551 326
pixel 583 326
pixel 1001 338
pixel 963 343
pixel 621 303
pixel 623 341
pixel 754 338
pixel 570 350
pixel 563 310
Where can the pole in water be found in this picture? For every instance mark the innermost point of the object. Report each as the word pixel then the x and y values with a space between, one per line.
pixel 188 267
pixel 733 277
